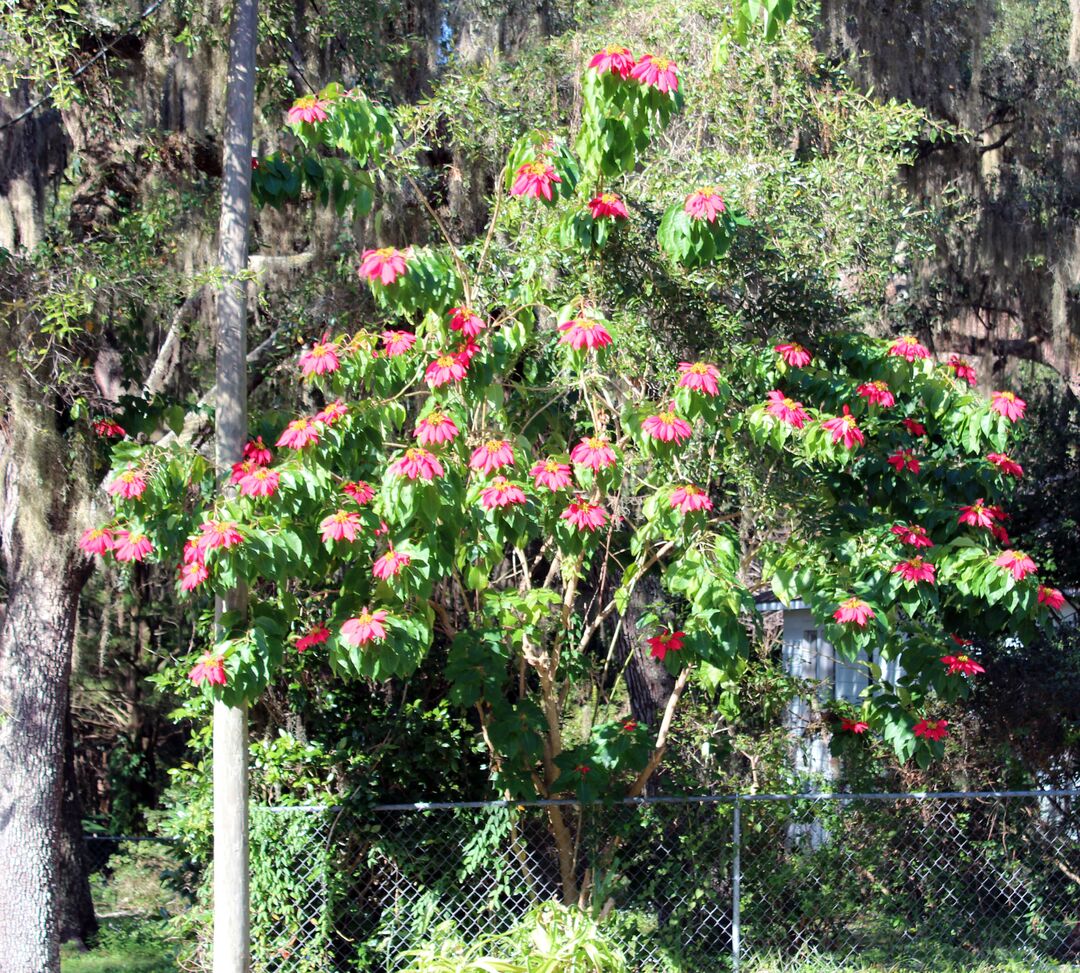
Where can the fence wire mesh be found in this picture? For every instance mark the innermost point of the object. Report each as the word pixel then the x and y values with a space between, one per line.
pixel 761 884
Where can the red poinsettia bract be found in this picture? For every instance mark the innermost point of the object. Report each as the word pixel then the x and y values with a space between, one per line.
pixel 794 354
pixel 368 626
pixel 845 429
pixel 656 72
pixel 961 664
pixel 1051 597
pixel 1009 405
pixel 257 452
pixel 129 485
pixel 660 645
pixel 418 464
pixel 932 729
pixel 131 546
pixel 962 369
pixel 904 459
pixel 535 179
pixel 385 265
pixel 390 564
pixel 608 205
pixel 688 498
pixel 502 493
pixel 877 393
pixel 615 59
pixel 585 515
pixel 915 569
pixel 699 377
pixel 259 482
pixel 854 726
pixel 909 347
pixel 1017 563
pixel 854 611
pixel 343 525
pixel 308 108
pixel 1006 464
pixel 552 474
pixel 704 204
pixel 397 342
pixel 584 333
pixel 491 456
pixel 299 433
pixel 96 540
pixel 320 359
pixel 786 410
pixel 209 669
pixel 667 427
pixel 435 429
pixel 316 635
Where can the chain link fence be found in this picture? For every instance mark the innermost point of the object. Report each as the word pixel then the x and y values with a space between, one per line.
pixel 762 883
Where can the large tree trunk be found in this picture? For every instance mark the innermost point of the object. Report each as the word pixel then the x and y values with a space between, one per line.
pixel 75 907
pixel 41 501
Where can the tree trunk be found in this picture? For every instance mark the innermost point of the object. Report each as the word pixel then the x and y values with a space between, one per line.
pixel 648 682
pixel 35 645
pixel 75 907
pixel 42 503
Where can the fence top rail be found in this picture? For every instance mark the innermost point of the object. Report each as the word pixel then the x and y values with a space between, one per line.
pixel 691 799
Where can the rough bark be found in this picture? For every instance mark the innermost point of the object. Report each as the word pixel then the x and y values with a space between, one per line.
pixel 75 907
pixel 647 680
pixel 40 504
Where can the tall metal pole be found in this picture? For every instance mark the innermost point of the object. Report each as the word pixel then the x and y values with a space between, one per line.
pixel 736 887
pixel 232 951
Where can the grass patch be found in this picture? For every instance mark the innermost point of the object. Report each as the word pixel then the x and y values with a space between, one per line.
pixel 124 946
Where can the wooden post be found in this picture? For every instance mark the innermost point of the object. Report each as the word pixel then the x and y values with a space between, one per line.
pixel 232 950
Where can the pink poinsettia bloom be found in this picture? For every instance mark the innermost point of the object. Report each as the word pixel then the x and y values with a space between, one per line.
pixel 108 429
pixel 209 669
pixel 242 469
pixel 193 574
pixel 467 321
pixel 786 410
pixel 854 610
pixel 699 377
pixel 963 643
pixel 491 456
pixel 502 493
pixel 96 540
pixel 594 452
pixel 795 355
pixel 909 347
pixel 915 570
pixel 977 514
pixel 219 533
pixel 299 433
pixel 418 464
pixel 384 265
pixel 845 429
pixel 259 482
pixel 584 514
pixel 320 359
pixel 854 726
pixel 368 626
pixel 535 179
pixel 390 564
pixel 1051 597
pixel 435 429
pixel 316 635
pixel 360 491
pixel 962 369
pixel 584 333
pixel 256 452
pixel 614 58
pixel 704 204
pixel 904 459
pixel 913 427
pixel 552 474
pixel 331 413
pixel 962 665
pixel 1000 534
pixel 656 72
pixel 131 546
pixel 1017 563
pixel 1008 405
pixel 467 352
pixel 1006 464
pixel 344 525
pixel 308 109
pixel 129 485
pixel 397 342
pixel 660 645
pixel 932 729
pixel 608 205
pixel 629 726
pixel 688 498
pixel 912 535
pixel 667 427
pixel 445 368
pixel 877 393
pixel 194 551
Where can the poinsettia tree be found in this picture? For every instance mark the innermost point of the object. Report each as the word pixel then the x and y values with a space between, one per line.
pixel 493 466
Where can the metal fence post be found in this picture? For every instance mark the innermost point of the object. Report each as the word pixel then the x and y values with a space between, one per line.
pixel 736 883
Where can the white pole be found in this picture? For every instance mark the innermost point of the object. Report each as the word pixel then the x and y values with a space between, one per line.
pixel 232 950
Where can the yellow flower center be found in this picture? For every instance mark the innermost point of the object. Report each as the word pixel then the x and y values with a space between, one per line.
pixel 551 466
pixel 663 63
pixel 493 446
pixel 595 443
pixel 445 361
pixel 699 368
